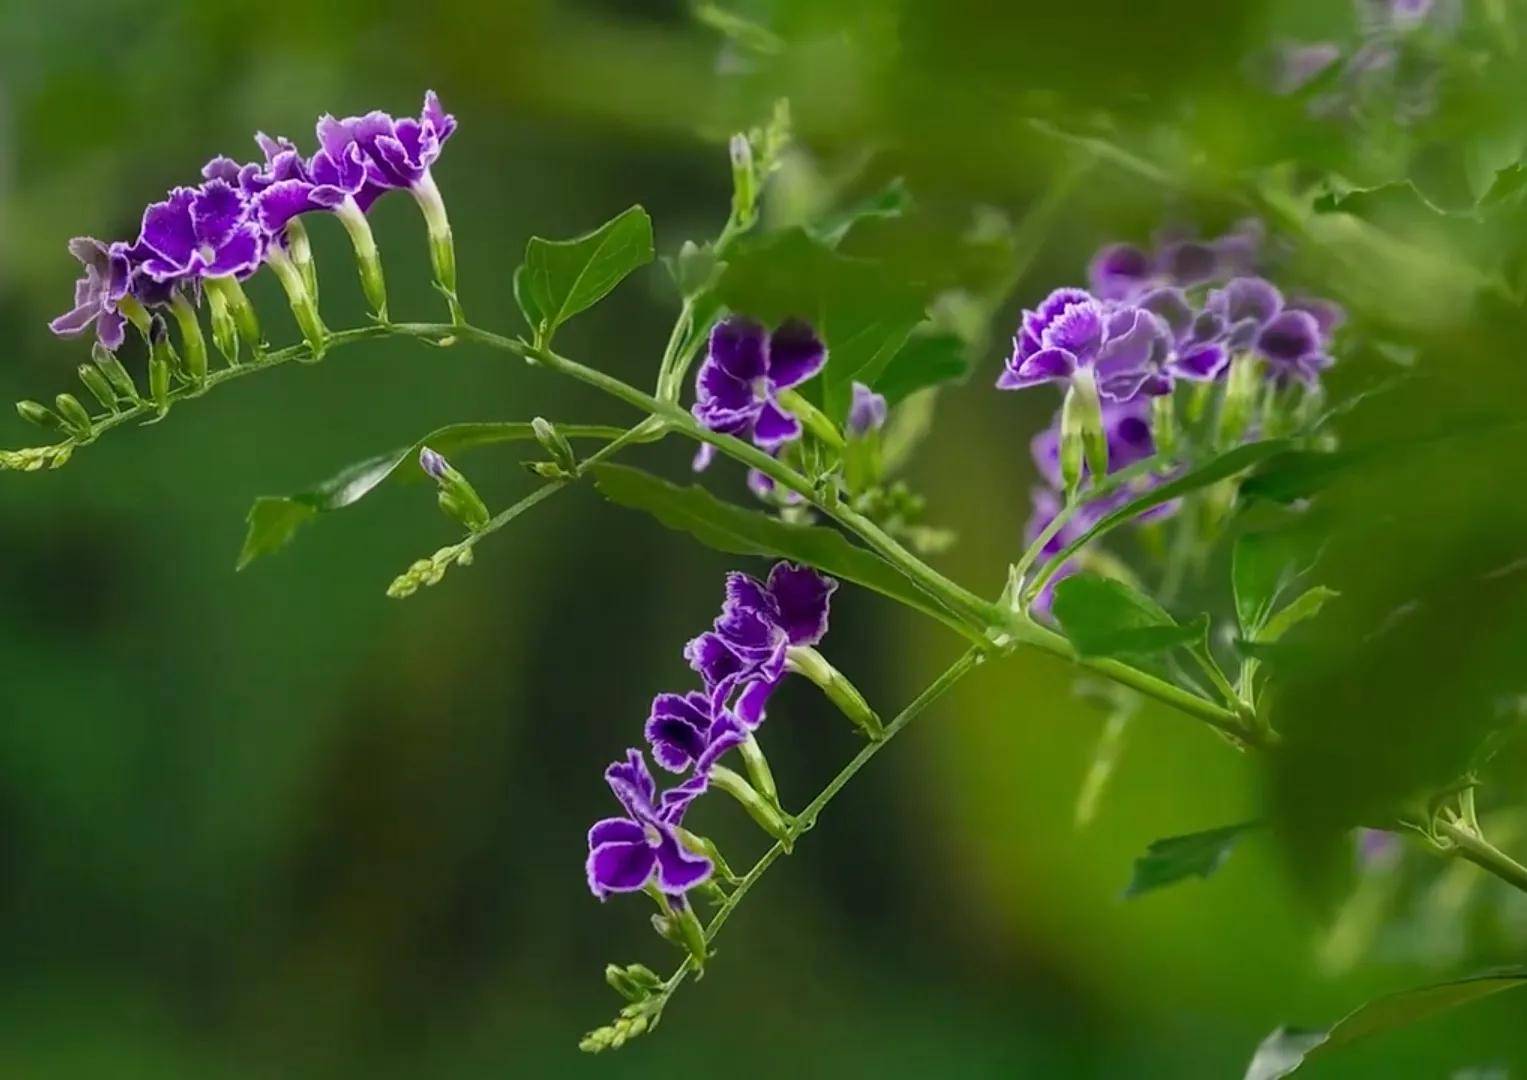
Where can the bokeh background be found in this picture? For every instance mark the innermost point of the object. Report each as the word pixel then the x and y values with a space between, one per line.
pixel 275 824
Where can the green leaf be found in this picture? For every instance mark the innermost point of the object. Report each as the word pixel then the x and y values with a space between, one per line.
pixel 740 531
pixel 891 201
pixel 1210 472
pixel 1306 606
pixel 275 519
pixel 1286 1050
pixel 925 360
pixel 1263 564
pixel 863 313
pixel 560 278
pixel 1177 858
pixel 1105 617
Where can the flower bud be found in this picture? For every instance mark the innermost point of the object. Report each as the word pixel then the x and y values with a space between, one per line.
pixel 225 334
pixel 457 498
pixel 115 373
pixel 99 388
pixel 635 982
pixel 555 444
pixel 34 412
pixel 161 362
pixel 768 817
pixel 689 931
pixel 241 311
pixel 695 269
pixel 304 306
pixel 744 180
pixel 190 338
pixel 706 847
pixel 75 416
pixel 804 660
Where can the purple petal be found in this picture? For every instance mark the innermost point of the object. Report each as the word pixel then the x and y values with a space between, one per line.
pixel 712 658
pixel 435 116
pixel 241 255
pixel 281 202
pixel 392 157
pixel 1190 263
pixel 725 735
pixel 616 830
pixel 76 321
pixel 802 596
pixel 774 427
pixel 1128 433
pixel 217 210
pixel 676 727
pixel 1170 305
pixel 752 635
pixel 868 411
pixel 111 329
pixel 1119 272
pixel 221 168
pixel 1044 448
pixel 632 784
pixel 1047 365
pixel 167 228
pixel 744 592
pixel 679 870
pixel 1202 363
pixel 1290 336
pixel 1133 338
pixel 740 347
pixel 1246 298
pixel 717 388
pixel 1328 314
pixel 752 700
pixel 1077 330
pixel 795 354
pixel 705 453
pixel 618 867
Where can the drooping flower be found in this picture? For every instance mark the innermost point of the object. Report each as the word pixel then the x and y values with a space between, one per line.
pixel 745 368
pixel 197 233
pixel 1291 337
pixel 867 412
pixel 625 853
pixel 692 729
pixel 1120 345
pixel 760 622
pixel 106 280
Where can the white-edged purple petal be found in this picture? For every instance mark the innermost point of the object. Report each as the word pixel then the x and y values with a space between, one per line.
pixel 795 354
pixel 1200 363
pixel 1289 337
pixel 773 427
pixel 802 597
pixel 168 230
pixel 1120 271
pixel 740 348
pixel 619 867
pixel 679 870
pixel 1246 298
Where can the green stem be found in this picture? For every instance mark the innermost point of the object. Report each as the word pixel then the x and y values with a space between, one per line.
pixel 1479 851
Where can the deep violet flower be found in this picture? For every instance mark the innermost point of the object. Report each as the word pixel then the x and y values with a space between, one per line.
pixel 625 853
pixel 1072 335
pixel 867 412
pixel 1124 271
pixel 106 280
pixel 196 233
pixel 692 729
pixel 745 368
pixel 760 622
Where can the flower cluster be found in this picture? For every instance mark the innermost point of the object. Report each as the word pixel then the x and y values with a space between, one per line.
pixel 1189 313
pixel 740 661
pixel 242 216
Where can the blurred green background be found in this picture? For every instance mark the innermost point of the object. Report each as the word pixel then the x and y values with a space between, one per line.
pixel 275 824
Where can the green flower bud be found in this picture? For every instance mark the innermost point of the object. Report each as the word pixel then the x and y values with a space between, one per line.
pixel 240 310
pixel 34 412
pixel 636 982
pixel 99 388
pixel 115 373
pixel 457 498
pixel 75 417
pixel 191 339
pixel 744 179
pixel 555 444
pixel 161 363
pixel 225 334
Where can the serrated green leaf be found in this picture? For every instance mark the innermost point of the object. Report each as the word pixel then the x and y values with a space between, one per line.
pixel 560 278
pixel 740 531
pixel 925 360
pixel 862 312
pixel 275 519
pixel 1105 617
pixel 1177 858
pixel 1210 472
pixel 1286 1050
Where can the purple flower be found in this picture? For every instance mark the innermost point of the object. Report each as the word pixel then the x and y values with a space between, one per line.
pixel 1292 338
pixel 1122 346
pixel 204 232
pixel 433 463
pixel 1125 272
pixel 396 153
pixel 746 650
pixel 867 412
pixel 625 853
pixel 692 729
pixel 745 369
pixel 107 277
pixel 1197 352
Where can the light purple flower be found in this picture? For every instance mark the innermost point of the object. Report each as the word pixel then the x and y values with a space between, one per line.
pixel 433 463
pixel 1121 344
pixel 1292 338
pixel 1198 353
pixel 1126 272
pixel 745 651
pixel 625 853
pixel 106 280
pixel 867 412
pixel 691 730
pixel 396 153
pixel 204 232
pixel 745 368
